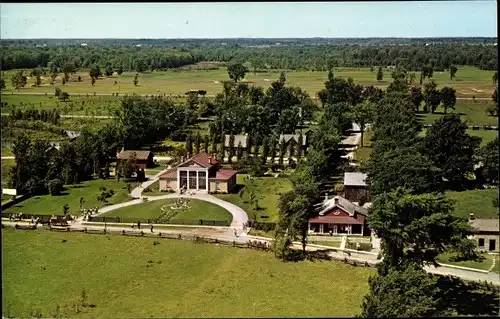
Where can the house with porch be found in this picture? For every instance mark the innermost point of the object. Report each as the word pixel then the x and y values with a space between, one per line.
pixel 340 216
pixel 487 233
pixel 143 159
pixel 201 173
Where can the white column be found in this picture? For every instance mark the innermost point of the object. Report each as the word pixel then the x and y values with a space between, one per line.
pixel 335 229
pixel 349 229
pixel 197 181
pixel 178 179
pixel 206 175
pixel 187 175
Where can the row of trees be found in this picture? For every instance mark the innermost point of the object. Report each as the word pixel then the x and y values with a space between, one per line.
pixel 324 57
pixel 51 116
pixel 68 59
pixel 309 57
pixel 40 168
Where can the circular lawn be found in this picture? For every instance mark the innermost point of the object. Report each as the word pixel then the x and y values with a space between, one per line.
pixel 191 209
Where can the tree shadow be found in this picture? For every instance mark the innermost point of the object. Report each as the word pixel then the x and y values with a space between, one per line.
pixel 467 299
pixel 298 255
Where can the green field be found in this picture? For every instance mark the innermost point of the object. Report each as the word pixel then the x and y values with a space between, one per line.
pixel 470 112
pixel 89 190
pixel 485 135
pixel 266 189
pixel 478 201
pixel 199 210
pixel 131 277
pixel 469 81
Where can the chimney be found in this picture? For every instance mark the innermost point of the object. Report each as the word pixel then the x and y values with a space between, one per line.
pixel 471 216
pixel 210 160
pixel 336 198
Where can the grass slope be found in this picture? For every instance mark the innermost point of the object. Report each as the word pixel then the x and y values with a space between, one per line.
pixel 183 279
pixel 199 210
pixel 89 190
pixel 478 201
pixel 267 191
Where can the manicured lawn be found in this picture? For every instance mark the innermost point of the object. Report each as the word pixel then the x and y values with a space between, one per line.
pixel 131 277
pixel 266 189
pixel 199 210
pixel 479 202
pixel 472 113
pixel 484 264
pixel 469 81
pixel 362 154
pixel 89 190
pixel 153 190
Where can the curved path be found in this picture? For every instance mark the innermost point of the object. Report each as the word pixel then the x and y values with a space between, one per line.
pixel 239 215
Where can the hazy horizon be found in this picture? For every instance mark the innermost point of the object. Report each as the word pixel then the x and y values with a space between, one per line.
pixel 424 19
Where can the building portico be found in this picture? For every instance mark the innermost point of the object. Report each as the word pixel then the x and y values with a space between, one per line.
pixel 201 173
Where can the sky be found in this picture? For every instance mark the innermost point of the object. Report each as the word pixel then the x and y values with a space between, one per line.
pixel 249 20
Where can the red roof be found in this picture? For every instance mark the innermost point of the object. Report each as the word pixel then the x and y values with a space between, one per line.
pixel 224 174
pixel 204 159
pixel 171 173
pixel 335 220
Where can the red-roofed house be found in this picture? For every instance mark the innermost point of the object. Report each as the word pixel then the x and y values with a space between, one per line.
pixel 201 173
pixel 340 216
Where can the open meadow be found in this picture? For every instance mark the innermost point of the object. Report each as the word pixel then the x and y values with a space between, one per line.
pixel 131 277
pixel 469 81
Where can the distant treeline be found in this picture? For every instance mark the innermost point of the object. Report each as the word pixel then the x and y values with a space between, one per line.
pixel 318 54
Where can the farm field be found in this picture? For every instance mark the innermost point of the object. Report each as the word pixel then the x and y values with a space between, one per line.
pixel 267 191
pixel 469 81
pixel 478 201
pixel 89 190
pixel 470 112
pixel 172 279
pixel 199 210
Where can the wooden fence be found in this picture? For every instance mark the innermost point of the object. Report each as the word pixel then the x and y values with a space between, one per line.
pixel 130 220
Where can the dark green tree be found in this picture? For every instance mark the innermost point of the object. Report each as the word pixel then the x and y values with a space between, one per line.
pixel 453 71
pixel 414 229
pixel 19 80
pixel 95 71
pixel 416 97
pixel 448 98
pixel 432 97
pixel 451 149
pixel 236 71
pixel 405 292
pixel 380 74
